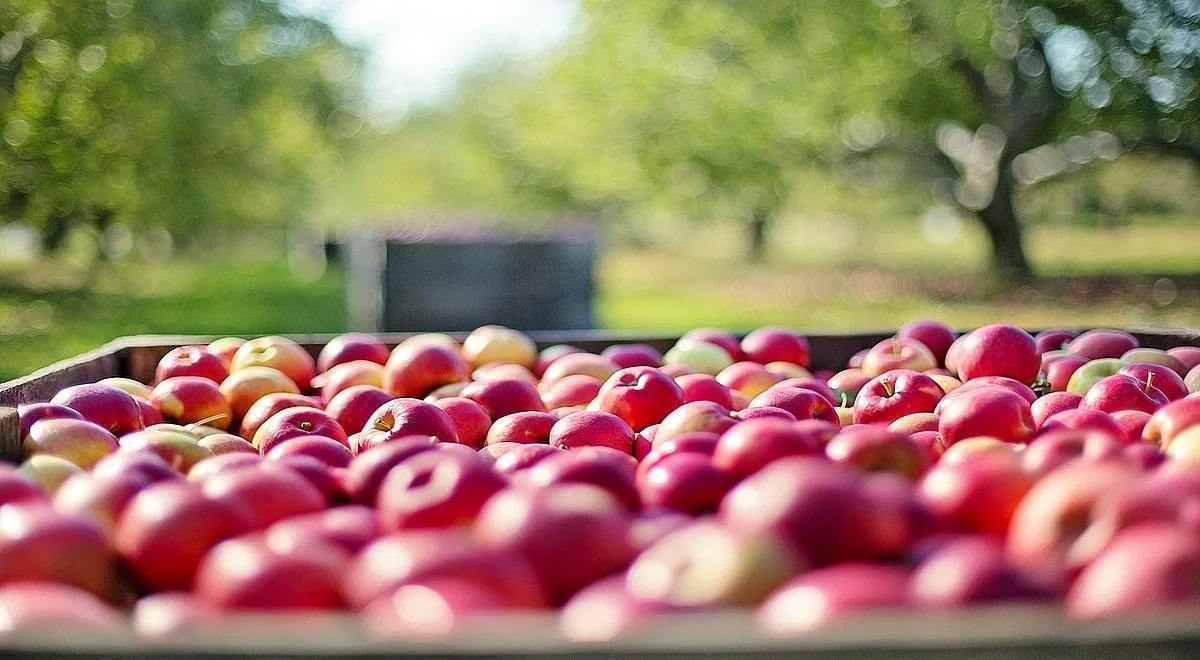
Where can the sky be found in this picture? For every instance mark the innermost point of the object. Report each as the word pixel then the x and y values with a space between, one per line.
pixel 416 48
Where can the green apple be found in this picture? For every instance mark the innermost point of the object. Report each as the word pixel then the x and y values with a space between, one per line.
pixel 1091 373
pixel 699 356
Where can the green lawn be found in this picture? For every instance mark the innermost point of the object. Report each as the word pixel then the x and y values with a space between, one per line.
pixel 820 276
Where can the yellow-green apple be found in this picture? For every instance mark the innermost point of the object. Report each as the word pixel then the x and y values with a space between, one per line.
pixel 577 390
pixel 294 422
pixel 698 356
pixel 1147 567
pixel 726 341
pixel 180 450
pixel 697 416
pixel 350 347
pixel 523 427
pixel 591 428
pixel 992 411
pixel 819 508
pixel 588 364
pixel 914 423
pixel 31 413
pixel 1051 450
pixel 1053 339
pixel 39 544
pixel 471 420
pixel 192 400
pixel 1052 404
pixel 947 383
pixel 249 573
pixel 548 355
pixel 749 378
pixel 977 494
pixel 227 443
pixel 495 343
pixel 1096 344
pixel 639 395
pixel 802 403
pixel 998 350
pixel 138 389
pixel 348 374
pixel 937 337
pixel 787 369
pixel 430 489
pixel 48 471
pixel 1121 392
pixel 80 442
pixel 504 396
pixel 1185 447
pixel 191 361
pixel 751 445
pixel 225 347
pixel 897 353
pixel 264 408
pixel 893 395
pixel 244 387
pixel 874 449
pixel 1157 376
pixel 278 353
pixel 114 409
pixel 403 417
pixel 774 344
pixel 834 593
pixel 416 369
pixel 1155 356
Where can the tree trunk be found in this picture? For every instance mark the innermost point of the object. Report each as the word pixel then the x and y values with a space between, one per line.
pixel 55 232
pixel 757 227
pixel 1000 221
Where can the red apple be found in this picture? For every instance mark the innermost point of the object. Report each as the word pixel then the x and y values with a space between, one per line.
pixel 548 526
pixel 1053 339
pixel 872 449
pixel 846 384
pixel 350 527
pixel 104 405
pixel 324 449
pixel 226 443
pixel 686 482
pixel 773 344
pixel 633 355
pixel 192 400
pixel 169 614
pixel 30 413
pixel 523 427
pixel 895 394
pixel 998 350
pixel 976 494
pixel 369 468
pixel 1014 386
pixel 266 407
pixel 1146 568
pixel 191 361
pixel 1157 376
pixel 400 418
pixel 1188 355
pixel 813 384
pixel 605 610
pixel 937 337
pixel 265 493
pixel 970 569
pixel 586 364
pixel 349 347
pixel 471 420
pixel 833 593
pixel 225 347
pixel 698 443
pixel 692 417
pixel 1049 451
pixel 577 390
pixel 548 355
pixel 1171 420
pixel 49 608
pixel 80 442
pixel 38 543
pixel 246 386
pixel 747 414
pixel 1096 344
pixel 986 411
pixel 248 573
pixel 595 466
pixel 101 498
pixel 346 375
pixel 898 353
pixel 1059 372
pixel 294 422
pixel 915 423
pixel 522 457
pixel 16 486
pixel 180 449
pixel 214 465
pixel 1121 392
pixel 750 446
pixel 590 428
pixel 1132 423
pixel 414 370
pixel 494 343
pixel 352 407
pixel 1052 404
pixel 702 387
pixel 639 395
pixel 278 353
pixel 749 378
pixel 502 371
pixel 1083 420
pixel 720 338
pixel 801 403
pixel 504 396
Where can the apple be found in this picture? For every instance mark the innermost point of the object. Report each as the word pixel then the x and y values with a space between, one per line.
pixel 294 422
pixel 138 389
pixel 810 383
pixel 1132 424
pixel 746 414
pixel 168 527
pixel 1157 376
pixel 998 350
pixel 633 355
pixel 101 498
pixel 1157 357
pixel 702 387
pixel 1192 380
pixel 846 384
pixel 1084 420
pixel 591 428
pixel 687 482
pixel 179 449
pixel 49 608
pixel 596 466
pixel 548 355
pixel 577 390
pixel 830 594
pixel 971 447
pixel 698 356
pixel 707 565
pixel 399 418
pixel 495 343
pixel 350 347
pixel 817 507
pixel 976 494
pixel 266 407
pixel 192 400
pixel 423 554
pixel 504 396
pixel 414 370
pixel 145 465
pixel 170 614
pixel 1053 339
pixel 586 364
pixel 726 341
pixel 1060 372
pixel 1052 404
pixel 856 360
pixel 1121 392
pixel 246 386
pixel 787 370
pixel 430 489
pixel 503 370
pixel 872 449
pixel 947 383
pixel 548 526
pixel 970 569
pixel 278 353
pixel 522 427
pixel 750 446
pixel 641 396
pixel 774 344
pixel 16 486
pixel 692 417
pixel 1097 344
pixel 48 471
pixel 914 423
pixel 351 407
pixel 605 610
pixel 248 573
pixel 346 375
pixel 104 405
pixel 937 337
pixel 215 465
pixel 895 394
pixel 225 348
pixel 801 403
pixel 1051 450
pixel 1145 568
pixel 988 411
pixel 1185 447
pixel 265 492
pixel 748 378
pixel 30 413
pixel 80 442
pixel 350 527
pixel 196 361
pixel 897 353
pixel 471 420
pixel 371 465
pixel 520 457
pixel 453 389
pixel 38 543
pixel 698 443
pixel 932 442
pixel 1188 355
pixel 323 448
pixel 1014 386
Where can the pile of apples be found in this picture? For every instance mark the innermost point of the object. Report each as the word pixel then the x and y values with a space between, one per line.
pixel 426 486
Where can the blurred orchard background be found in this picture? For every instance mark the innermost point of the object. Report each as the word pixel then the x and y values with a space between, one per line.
pixel 827 164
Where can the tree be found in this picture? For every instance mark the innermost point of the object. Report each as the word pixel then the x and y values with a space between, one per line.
pixel 178 114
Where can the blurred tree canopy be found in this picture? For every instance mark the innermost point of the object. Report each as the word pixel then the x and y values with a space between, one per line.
pixel 174 114
pixel 716 110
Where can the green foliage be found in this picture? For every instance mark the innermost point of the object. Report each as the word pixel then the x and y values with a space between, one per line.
pixel 179 114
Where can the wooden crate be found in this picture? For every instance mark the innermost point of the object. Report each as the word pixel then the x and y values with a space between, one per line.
pixel 1009 631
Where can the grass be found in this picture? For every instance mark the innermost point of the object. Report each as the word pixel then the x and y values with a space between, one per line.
pixel 820 276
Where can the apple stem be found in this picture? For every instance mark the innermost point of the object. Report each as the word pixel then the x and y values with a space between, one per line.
pixel 1149 380
pixel 202 422
pixel 845 399
pixel 887 385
